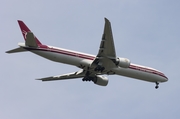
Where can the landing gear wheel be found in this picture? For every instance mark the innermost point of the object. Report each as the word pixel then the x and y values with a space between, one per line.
pixel 157 85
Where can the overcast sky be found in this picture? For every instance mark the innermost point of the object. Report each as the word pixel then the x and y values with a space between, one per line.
pixel 145 31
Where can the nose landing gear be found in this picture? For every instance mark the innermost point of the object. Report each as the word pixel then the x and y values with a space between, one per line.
pixel 157 85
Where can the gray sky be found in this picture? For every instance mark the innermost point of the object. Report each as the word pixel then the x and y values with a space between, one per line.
pixel 146 32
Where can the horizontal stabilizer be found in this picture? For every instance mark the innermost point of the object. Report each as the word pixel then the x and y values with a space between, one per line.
pixel 30 40
pixel 20 49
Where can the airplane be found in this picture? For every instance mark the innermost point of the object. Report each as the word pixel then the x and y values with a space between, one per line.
pixel 92 68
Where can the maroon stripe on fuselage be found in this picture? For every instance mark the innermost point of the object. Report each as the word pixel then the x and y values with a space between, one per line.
pixel 65 52
pixel 83 56
pixel 145 69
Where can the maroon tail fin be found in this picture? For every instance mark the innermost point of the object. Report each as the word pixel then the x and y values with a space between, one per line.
pixel 25 29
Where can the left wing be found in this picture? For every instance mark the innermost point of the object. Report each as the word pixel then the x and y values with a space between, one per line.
pixel 78 74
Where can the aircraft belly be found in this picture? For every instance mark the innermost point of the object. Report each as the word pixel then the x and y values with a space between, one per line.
pixel 138 74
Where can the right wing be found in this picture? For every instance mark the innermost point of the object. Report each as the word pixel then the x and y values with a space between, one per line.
pixel 107 51
pixel 78 74
pixel 107 48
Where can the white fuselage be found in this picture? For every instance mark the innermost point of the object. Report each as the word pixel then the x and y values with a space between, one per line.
pixel 83 60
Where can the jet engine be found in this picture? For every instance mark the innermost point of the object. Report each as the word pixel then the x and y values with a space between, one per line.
pixel 101 80
pixel 122 62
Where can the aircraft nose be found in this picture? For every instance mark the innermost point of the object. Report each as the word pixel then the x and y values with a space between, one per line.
pixel 165 78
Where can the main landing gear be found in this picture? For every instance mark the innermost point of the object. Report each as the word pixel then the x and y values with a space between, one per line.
pixel 157 85
pixel 99 68
pixel 87 77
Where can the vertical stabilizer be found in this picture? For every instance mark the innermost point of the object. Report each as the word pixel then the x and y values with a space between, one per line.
pixel 27 32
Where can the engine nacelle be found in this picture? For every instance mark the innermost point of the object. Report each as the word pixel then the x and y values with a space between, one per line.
pixel 101 80
pixel 122 62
